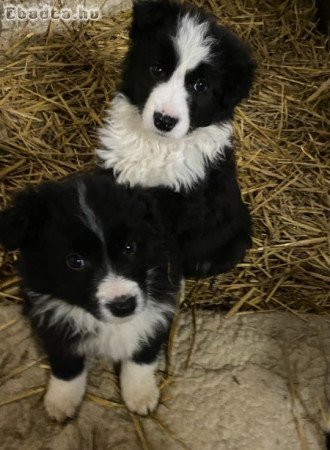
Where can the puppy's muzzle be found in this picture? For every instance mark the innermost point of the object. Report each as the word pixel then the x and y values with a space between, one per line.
pixel 122 306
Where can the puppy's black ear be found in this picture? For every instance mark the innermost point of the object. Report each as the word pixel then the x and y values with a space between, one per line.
pixel 237 67
pixel 20 223
pixel 149 12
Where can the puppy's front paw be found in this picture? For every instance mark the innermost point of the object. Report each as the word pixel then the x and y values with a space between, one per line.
pixel 59 408
pixel 63 397
pixel 141 398
pixel 139 389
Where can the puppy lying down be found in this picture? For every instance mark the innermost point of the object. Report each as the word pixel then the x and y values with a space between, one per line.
pixel 98 277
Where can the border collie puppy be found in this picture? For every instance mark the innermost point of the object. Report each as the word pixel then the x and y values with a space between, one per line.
pixel 170 125
pixel 97 278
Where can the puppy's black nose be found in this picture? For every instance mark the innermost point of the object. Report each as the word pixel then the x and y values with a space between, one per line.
pixel 164 123
pixel 122 306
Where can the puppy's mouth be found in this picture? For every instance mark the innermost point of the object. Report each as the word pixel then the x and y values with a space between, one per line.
pixel 163 134
pixel 160 133
pixel 119 320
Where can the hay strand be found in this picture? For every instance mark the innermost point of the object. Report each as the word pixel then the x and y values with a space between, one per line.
pixel 103 401
pixel 24 395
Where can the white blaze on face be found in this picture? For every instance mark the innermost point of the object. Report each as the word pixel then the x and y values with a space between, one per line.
pixel 87 214
pixel 171 97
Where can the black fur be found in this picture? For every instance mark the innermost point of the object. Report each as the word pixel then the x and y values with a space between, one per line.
pixel 210 224
pixel 214 231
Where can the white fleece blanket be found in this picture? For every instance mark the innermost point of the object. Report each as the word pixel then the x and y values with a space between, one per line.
pixel 252 382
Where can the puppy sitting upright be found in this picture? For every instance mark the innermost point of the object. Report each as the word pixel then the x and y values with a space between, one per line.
pixel 169 126
pixel 98 278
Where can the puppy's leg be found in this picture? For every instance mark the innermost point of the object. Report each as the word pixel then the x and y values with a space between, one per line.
pixel 138 386
pixel 66 386
pixel 137 378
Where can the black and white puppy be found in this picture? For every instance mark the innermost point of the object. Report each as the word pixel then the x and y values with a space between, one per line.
pixel 98 278
pixel 170 125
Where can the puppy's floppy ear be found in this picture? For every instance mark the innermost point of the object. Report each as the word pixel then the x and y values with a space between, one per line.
pixel 148 12
pixel 237 67
pixel 20 223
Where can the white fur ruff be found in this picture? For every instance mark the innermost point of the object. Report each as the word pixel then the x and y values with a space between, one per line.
pixel 117 340
pixel 140 157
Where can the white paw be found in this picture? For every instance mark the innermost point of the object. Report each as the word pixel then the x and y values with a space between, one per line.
pixel 139 388
pixel 142 398
pixel 59 408
pixel 63 397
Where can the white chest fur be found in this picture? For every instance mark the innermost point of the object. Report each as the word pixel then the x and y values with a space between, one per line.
pixel 140 157
pixel 117 340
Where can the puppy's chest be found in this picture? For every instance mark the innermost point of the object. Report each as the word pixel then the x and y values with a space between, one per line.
pixel 116 342
pixel 141 158
pixel 151 166
pixel 119 341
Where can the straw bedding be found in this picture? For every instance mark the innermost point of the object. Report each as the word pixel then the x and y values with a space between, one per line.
pixel 55 88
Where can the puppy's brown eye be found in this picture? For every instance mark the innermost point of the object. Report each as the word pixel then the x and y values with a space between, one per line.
pixel 130 248
pixel 75 262
pixel 200 85
pixel 156 70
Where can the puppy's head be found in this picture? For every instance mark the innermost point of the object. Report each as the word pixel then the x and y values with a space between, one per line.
pixel 91 244
pixel 183 71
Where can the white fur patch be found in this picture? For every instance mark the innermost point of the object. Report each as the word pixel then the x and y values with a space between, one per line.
pixel 117 340
pixel 63 397
pixel 87 214
pixel 192 43
pixel 140 157
pixel 77 319
pixel 113 286
pixel 138 387
pixel 171 98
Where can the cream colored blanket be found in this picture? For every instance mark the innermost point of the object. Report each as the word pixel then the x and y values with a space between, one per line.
pixel 253 382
